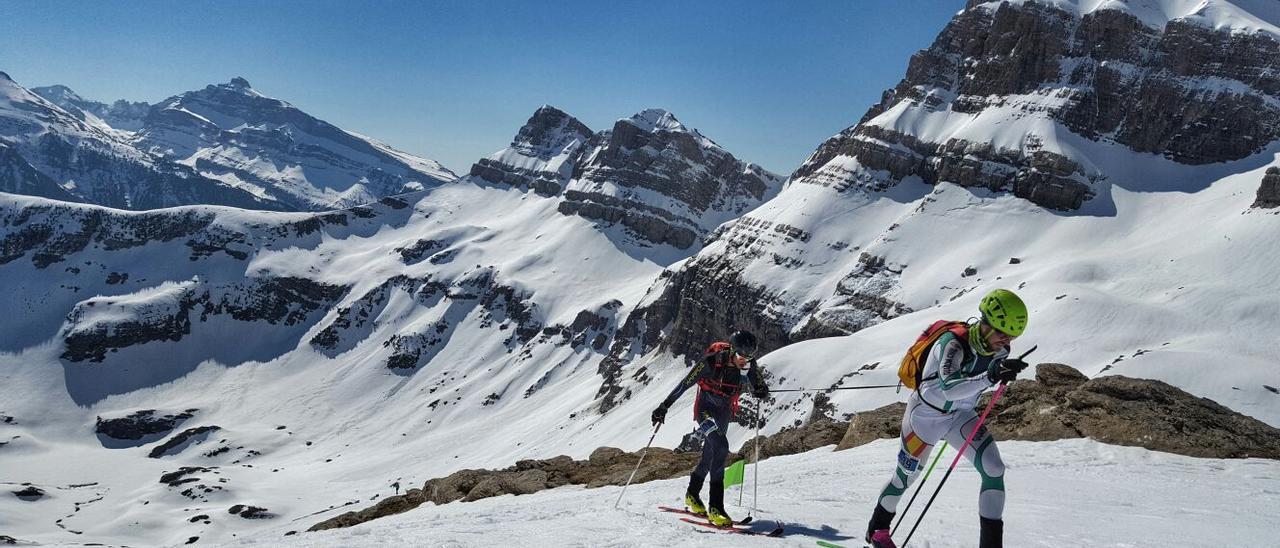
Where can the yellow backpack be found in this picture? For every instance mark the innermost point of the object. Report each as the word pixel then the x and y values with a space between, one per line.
pixel 913 363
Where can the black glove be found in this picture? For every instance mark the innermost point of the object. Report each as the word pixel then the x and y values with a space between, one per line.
pixel 1014 364
pixel 1007 372
pixel 761 392
pixel 659 415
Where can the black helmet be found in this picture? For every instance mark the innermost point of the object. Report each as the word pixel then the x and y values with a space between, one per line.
pixel 743 342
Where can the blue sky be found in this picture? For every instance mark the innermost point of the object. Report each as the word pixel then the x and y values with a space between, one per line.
pixel 453 81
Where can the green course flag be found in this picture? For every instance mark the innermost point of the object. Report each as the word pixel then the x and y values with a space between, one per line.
pixel 733 474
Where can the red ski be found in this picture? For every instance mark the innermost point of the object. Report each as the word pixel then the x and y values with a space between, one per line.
pixel 732 529
pixel 684 511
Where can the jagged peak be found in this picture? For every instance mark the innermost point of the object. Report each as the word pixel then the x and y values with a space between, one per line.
pixel 236 85
pixel 550 126
pixel 654 119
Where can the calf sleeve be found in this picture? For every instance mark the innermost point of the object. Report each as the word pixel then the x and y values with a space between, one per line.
pixel 985 456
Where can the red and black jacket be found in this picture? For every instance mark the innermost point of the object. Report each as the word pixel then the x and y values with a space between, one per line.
pixel 719 382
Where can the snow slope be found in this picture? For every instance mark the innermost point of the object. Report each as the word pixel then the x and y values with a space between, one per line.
pixel 1061 494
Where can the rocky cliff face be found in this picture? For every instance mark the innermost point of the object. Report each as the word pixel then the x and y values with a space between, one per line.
pixel 266 146
pixel 662 181
pixel 1187 91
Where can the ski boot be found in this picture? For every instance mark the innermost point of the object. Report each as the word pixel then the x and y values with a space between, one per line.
pixel 715 512
pixel 694 504
pixel 718 517
pixel 878 529
pixel 992 533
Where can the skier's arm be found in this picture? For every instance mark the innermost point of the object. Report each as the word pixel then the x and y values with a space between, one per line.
pixel 758 386
pixel 955 385
pixel 688 381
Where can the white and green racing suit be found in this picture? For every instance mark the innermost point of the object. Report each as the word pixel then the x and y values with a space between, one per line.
pixel 942 408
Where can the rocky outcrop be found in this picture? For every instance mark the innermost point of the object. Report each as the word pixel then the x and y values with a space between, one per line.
pixel 140 424
pixel 1269 191
pixel 176 443
pixel 29 493
pixel 250 512
pixel 1061 403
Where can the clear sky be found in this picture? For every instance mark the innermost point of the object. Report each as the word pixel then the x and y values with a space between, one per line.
pixel 453 81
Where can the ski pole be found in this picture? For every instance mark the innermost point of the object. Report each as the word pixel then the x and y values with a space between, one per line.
pixel 755 483
pixel 643 452
pixel 968 440
pixel 836 388
pixel 903 515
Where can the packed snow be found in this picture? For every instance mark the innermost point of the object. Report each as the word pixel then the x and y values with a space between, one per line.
pixel 1068 493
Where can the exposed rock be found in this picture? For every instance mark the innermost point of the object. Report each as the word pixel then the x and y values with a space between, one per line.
pixel 177 477
pixel 1269 191
pixel 418 251
pixel 176 441
pixel 250 512
pixel 139 424
pixel 30 494
pixel 868 426
pixel 1062 403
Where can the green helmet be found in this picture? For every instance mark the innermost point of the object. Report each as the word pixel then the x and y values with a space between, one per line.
pixel 1004 311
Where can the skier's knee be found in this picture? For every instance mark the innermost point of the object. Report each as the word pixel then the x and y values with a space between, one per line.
pixel 992 464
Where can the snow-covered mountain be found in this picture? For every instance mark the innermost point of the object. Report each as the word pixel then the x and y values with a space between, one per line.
pixel 174 374
pixel 666 183
pixel 982 163
pixel 53 153
pixel 121 115
pixel 233 133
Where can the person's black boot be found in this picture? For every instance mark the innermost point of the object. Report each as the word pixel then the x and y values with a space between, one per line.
pixel 992 535
pixel 881 519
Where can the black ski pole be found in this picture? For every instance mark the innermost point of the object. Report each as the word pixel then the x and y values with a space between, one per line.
pixel 637 469
pixel 836 388
pixel 902 516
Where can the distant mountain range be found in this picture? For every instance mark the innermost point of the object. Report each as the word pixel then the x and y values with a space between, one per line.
pixel 226 144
